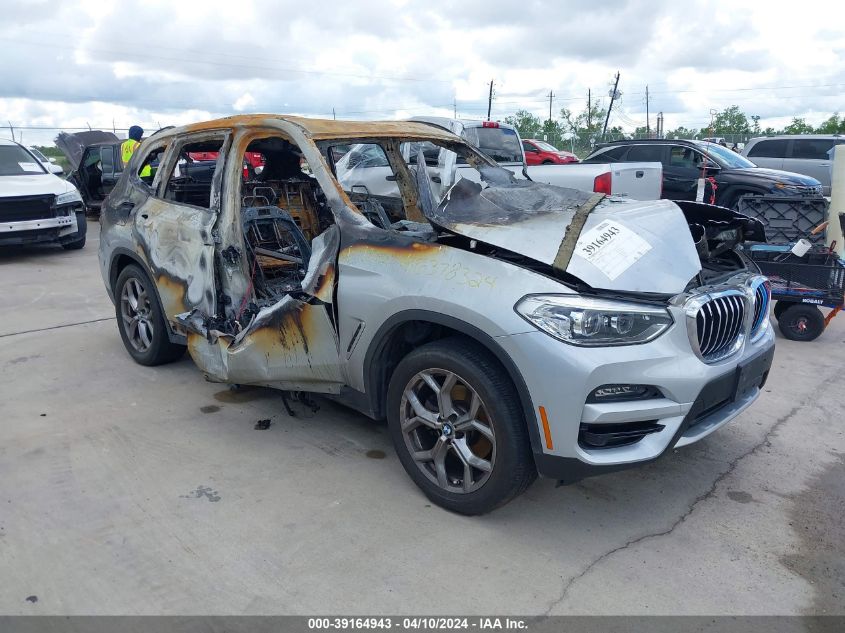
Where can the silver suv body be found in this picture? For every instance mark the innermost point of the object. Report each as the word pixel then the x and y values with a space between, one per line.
pixel 806 154
pixel 504 328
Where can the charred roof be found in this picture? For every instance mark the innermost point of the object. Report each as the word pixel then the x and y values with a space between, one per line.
pixel 324 129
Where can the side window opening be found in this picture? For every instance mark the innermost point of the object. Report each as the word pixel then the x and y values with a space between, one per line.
pixel 775 148
pixel 283 209
pixel 499 143
pixel 369 180
pixel 645 154
pixel 610 156
pixel 684 157
pixel 811 148
pixel 191 180
pixel 147 170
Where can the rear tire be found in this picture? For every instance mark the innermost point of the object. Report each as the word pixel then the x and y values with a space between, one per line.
pixel 547 162
pixel 780 306
pixel 140 319
pixel 801 322
pixel 464 444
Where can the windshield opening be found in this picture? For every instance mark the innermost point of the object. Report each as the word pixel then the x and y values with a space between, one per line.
pixel 725 157
pixel 15 161
pixel 370 181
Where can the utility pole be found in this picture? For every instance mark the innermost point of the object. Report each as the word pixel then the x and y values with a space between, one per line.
pixel 334 116
pixel 647 124
pixel 455 106
pixel 551 96
pixel 610 107
pixel 12 130
pixel 589 110
pixel 490 100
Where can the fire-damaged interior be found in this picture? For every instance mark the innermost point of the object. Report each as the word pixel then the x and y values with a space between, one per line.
pixel 282 210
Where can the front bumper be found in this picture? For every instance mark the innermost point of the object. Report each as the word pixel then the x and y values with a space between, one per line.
pixel 40 230
pixel 695 398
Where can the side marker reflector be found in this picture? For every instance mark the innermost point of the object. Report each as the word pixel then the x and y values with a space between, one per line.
pixel 546 430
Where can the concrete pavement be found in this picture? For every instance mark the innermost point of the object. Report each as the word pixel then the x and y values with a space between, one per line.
pixel 134 490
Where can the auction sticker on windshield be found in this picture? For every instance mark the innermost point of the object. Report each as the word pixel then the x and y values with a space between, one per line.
pixel 611 247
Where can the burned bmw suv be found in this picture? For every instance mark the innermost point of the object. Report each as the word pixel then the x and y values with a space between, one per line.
pixel 504 328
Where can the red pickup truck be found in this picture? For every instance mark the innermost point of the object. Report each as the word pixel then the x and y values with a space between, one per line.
pixel 541 153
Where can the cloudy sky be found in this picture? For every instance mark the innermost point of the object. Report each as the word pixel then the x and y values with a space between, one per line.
pixel 100 63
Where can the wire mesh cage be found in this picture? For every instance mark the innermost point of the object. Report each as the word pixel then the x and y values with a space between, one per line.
pixel 818 274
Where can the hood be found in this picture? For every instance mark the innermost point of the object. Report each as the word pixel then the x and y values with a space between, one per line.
pixel 625 245
pixel 73 145
pixel 776 175
pixel 33 185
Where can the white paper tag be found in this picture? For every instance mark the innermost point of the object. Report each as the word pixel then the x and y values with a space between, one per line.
pixel 699 193
pixel 30 166
pixel 611 247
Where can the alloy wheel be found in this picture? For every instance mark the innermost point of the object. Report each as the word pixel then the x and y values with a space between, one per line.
pixel 448 431
pixel 136 313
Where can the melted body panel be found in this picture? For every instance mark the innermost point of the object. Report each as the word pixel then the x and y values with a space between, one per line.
pixel 532 219
pixel 176 241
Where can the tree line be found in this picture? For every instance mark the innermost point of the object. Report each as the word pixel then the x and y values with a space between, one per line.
pixel 580 131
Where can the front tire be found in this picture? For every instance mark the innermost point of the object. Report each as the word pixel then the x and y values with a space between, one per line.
pixel 457 426
pixel 801 322
pixel 140 319
pixel 78 240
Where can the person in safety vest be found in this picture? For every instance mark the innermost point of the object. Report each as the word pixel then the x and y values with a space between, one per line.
pixel 128 147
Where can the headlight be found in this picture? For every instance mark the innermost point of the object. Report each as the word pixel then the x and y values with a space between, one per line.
pixel 594 322
pixel 68 197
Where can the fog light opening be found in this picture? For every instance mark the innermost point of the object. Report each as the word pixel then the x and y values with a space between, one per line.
pixel 616 393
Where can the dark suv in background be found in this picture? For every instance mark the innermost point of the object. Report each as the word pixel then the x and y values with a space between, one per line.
pixel 95 164
pixel 684 160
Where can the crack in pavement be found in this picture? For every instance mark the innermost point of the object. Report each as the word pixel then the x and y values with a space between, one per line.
pixel 699 499
pixel 57 327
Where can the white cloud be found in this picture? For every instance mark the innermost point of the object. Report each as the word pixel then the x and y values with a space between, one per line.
pixel 156 61
pixel 243 102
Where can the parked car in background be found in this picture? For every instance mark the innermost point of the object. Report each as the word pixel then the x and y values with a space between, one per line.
pixel 685 161
pixel 542 153
pixel 95 164
pixel 800 153
pixel 502 143
pixel 254 159
pixel 35 205
pixel 503 327
pixel 48 163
